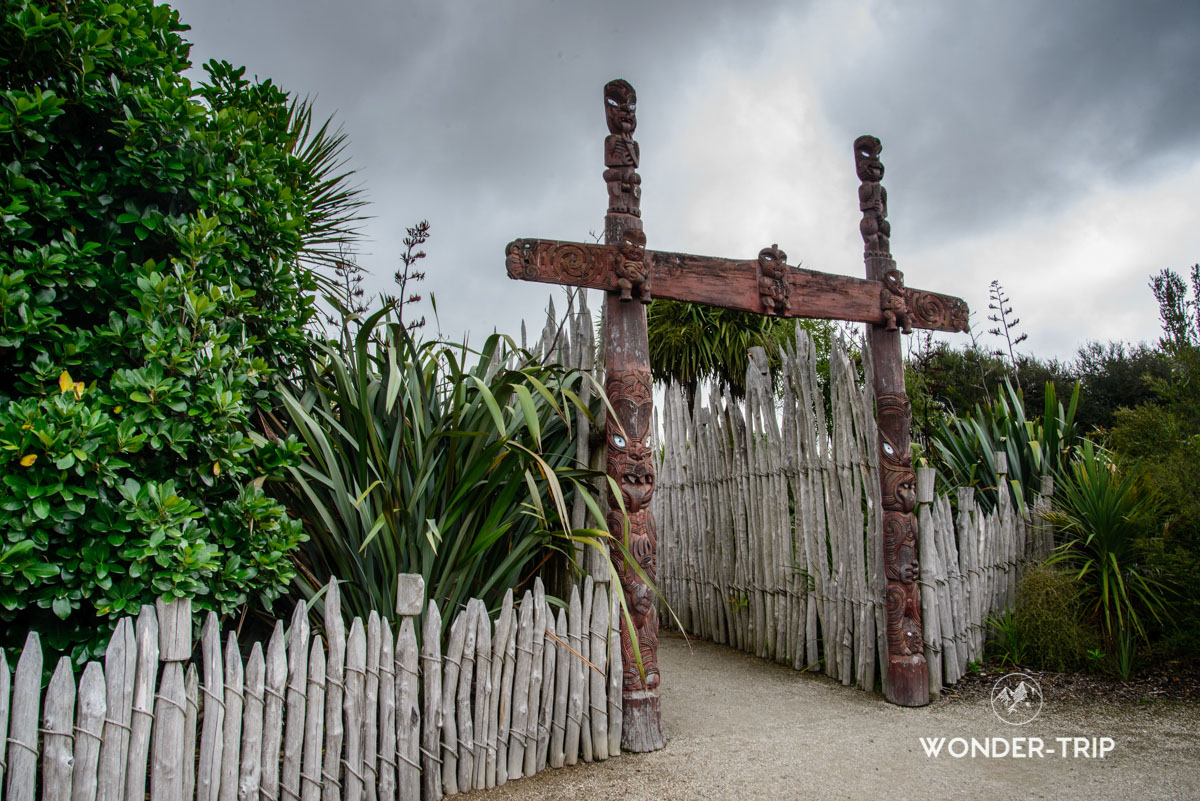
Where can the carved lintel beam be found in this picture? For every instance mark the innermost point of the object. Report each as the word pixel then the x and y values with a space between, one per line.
pixel 728 283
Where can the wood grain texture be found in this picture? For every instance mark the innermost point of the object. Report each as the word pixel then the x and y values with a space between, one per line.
pixel 713 281
pixel 89 726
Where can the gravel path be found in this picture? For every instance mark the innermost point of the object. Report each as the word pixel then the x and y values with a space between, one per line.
pixel 742 728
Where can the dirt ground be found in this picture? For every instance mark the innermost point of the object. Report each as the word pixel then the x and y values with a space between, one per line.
pixel 741 728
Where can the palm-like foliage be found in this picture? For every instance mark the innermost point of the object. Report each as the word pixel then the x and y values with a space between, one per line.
pixel 427 458
pixel 334 205
pixel 1035 448
pixel 690 343
pixel 1101 510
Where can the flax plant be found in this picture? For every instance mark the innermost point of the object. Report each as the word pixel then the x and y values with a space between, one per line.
pixel 427 457
pixel 1101 510
pixel 1034 448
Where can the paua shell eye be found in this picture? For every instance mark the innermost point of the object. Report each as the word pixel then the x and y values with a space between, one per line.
pixel 618 440
pixel 887 448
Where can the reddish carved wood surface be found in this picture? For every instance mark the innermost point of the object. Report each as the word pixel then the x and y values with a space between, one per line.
pixel 627 277
pixel 730 284
pixel 907 674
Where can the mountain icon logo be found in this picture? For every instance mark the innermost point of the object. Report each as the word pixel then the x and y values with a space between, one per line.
pixel 1017 698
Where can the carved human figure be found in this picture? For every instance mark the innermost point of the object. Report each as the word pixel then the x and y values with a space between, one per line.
pixel 872 197
pixel 621 154
pixel 630 465
pixel 893 299
pixel 633 272
pixel 899 499
pixel 773 287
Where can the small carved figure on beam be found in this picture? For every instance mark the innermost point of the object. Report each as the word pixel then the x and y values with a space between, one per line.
pixel 893 299
pixel 872 197
pixel 620 150
pixel 633 271
pixel 773 287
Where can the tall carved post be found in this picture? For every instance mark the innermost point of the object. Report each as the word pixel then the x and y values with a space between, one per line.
pixel 627 384
pixel 907 674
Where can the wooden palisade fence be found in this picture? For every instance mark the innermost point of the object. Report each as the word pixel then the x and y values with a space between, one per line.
pixel 769 518
pixel 360 713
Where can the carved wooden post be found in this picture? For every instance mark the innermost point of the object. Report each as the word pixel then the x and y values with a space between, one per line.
pixel 907 673
pixel 627 384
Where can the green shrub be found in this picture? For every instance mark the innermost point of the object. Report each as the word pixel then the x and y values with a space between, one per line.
pixel 425 457
pixel 150 289
pixel 1048 619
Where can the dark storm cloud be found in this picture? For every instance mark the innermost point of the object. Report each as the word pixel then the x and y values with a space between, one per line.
pixel 485 117
pixel 990 111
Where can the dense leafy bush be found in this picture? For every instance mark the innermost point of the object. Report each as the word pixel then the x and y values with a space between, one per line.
pixel 1049 620
pixel 149 290
pixel 424 457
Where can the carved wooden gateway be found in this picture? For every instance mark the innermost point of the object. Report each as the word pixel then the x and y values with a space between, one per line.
pixel 630 274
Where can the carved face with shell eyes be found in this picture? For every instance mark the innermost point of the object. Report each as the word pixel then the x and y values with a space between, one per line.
pixel 866 159
pixel 772 260
pixel 620 107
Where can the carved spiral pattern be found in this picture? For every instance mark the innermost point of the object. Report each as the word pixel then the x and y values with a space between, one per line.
pixel 572 262
pixel 931 310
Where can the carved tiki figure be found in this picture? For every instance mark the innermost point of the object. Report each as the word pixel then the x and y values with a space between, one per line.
pixel 773 287
pixel 629 462
pixel 620 150
pixel 633 273
pixel 872 197
pixel 898 483
pixel 893 299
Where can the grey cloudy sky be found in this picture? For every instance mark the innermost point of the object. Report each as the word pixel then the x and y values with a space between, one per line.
pixel 1052 145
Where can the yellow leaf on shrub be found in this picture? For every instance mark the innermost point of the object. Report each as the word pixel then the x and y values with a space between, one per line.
pixel 27 461
pixel 65 382
pixel 216 468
